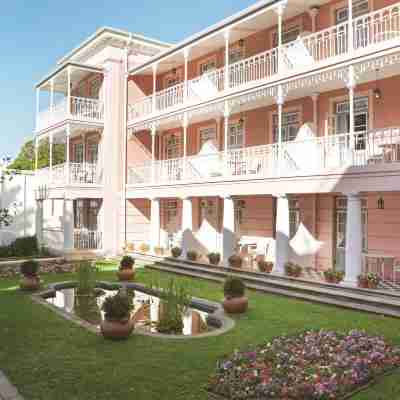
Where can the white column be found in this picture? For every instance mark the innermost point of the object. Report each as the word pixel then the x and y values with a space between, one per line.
pixel 84 147
pixel 187 225
pixel 280 10
pixel 186 57
pixel 282 234
pixel 350 26
pixel 226 136
pixel 226 81
pixel 51 156
pixel 185 133
pixel 154 88
pixel 39 221
pixel 314 98
pixel 155 225
pixel 280 99
pixel 153 153
pixel 67 158
pixel 313 13
pixel 69 91
pixel 353 255
pixel 68 224
pixel 351 84
pixel 228 229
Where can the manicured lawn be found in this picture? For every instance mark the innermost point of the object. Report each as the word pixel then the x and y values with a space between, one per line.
pixel 48 357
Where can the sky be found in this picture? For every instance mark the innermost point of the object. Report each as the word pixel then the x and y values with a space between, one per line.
pixel 35 34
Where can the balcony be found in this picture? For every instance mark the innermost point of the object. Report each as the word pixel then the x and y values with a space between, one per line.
pixel 79 174
pixel 85 239
pixel 296 158
pixel 373 31
pixel 82 109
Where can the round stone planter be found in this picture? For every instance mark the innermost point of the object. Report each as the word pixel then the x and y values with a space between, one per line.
pixel 235 305
pixel 126 274
pixel 117 329
pixel 30 283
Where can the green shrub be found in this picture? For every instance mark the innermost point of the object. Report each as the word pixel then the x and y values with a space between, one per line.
pixel 25 246
pixel 214 258
pixel 117 307
pixel 234 287
pixel 293 269
pixel 127 262
pixel 176 252
pixel 29 268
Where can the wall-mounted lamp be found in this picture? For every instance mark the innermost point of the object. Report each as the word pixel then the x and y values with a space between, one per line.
pixel 241 42
pixel 174 71
pixel 377 91
pixel 241 121
pixel 381 203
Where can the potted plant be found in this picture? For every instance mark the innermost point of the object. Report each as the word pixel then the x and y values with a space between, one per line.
pixel 265 266
pixel 192 255
pixel 235 301
pixel 214 258
pixel 293 270
pixel 130 247
pixel 144 248
pixel 362 281
pixel 117 322
pixel 235 261
pixel 176 252
pixel 373 280
pixel 332 276
pixel 30 280
pixel 126 271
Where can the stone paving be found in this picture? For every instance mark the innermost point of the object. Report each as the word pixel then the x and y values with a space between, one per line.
pixel 7 390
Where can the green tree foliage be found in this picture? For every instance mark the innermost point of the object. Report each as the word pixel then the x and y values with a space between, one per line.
pixel 26 157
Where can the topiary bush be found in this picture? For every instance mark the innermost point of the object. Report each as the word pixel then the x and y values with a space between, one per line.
pixel 29 268
pixel 234 287
pixel 176 252
pixel 21 247
pixel 214 258
pixel 117 308
pixel 126 262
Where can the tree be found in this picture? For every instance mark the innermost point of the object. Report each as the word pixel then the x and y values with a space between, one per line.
pixel 25 159
pixel 6 218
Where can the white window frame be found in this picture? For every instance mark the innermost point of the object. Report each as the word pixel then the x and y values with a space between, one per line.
pixel 206 134
pixel 289 34
pixel 236 135
pixel 291 122
pixel 79 149
pixel 294 217
pixel 360 7
pixel 207 66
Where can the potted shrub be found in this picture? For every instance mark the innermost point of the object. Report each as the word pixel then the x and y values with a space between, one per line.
pixel 235 261
pixel 158 250
pixel 192 255
pixel 373 280
pixel 362 281
pixel 130 247
pixel 214 258
pixel 117 322
pixel 125 271
pixel 30 280
pixel 176 252
pixel 293 270
pixel 144 248
pixel 332 276
pixel 265 266
pixel 235 301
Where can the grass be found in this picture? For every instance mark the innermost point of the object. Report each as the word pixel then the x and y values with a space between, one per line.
pixel 48 357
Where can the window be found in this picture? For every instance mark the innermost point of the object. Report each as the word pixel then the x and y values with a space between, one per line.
pixel 86 213
pixel 294 216
pixel 171 211
pixel 360 7
pixel 290 126
pixel 341 216
pixel 208 134
pixel 95 85
pixel 236 135
pixel 171 80
pixel 236 53
pixel 207 208
pixel 93 152
pixel 288 35
pixel 208 66
pixel 172 147
pixel 78 152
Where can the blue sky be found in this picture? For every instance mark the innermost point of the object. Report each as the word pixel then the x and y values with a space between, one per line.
pixel 35 34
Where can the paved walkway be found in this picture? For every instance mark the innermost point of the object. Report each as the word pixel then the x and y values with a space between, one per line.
pixel 7 390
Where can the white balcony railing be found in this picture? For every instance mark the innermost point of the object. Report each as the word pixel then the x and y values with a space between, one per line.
pixel 307 51
pixel 305 157
pixel 80 173
pixel 87 239
pixel 82 109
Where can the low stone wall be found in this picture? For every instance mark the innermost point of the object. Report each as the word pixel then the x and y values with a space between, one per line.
pixel 10 269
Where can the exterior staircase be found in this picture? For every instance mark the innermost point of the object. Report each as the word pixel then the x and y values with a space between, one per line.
pixel 381 301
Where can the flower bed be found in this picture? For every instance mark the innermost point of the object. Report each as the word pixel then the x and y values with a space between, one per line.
pixel 312 365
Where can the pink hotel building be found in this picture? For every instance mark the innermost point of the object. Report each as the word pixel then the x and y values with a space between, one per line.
pixel 275 130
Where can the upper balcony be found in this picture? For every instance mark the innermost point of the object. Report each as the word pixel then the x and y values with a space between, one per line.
pixel 370 32
pixel 72 93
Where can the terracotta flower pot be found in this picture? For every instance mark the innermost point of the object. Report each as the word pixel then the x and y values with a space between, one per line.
pixel 30 283
pixel 126 274
pixel 235 305
pixel 372 285
pixel 117 329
